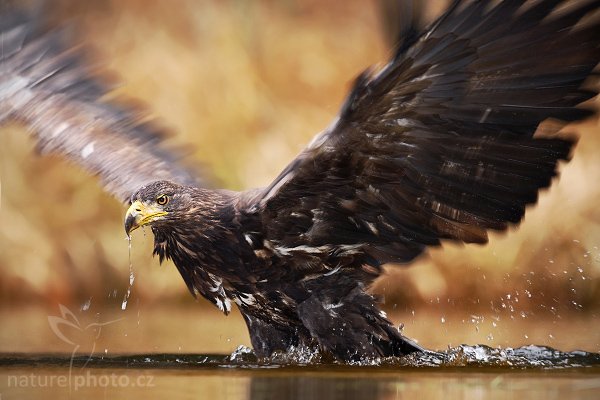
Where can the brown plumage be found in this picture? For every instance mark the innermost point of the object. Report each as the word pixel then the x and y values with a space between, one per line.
pixel 439 144
pixel 50 89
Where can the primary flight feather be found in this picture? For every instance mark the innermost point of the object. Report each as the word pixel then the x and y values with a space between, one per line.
pixel 439 144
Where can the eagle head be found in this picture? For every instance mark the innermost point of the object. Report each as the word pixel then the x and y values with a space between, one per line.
pixel 159 204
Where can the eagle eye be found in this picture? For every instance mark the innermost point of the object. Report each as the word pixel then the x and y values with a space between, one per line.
pixel 162 199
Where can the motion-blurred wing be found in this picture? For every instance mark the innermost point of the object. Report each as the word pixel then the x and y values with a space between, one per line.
pixel 46 84
pixel 440 143
pixel 402 21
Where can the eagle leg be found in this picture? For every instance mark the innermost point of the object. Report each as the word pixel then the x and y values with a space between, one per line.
pixel 352 328
pixel 267 338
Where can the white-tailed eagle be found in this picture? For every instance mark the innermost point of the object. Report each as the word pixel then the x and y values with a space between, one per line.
pixel 438 144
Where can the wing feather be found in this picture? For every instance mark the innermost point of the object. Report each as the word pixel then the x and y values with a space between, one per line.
pixel 440 143
pixel 47 85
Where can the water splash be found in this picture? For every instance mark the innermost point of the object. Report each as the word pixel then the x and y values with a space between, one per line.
pixel 530 356
pixel 467 357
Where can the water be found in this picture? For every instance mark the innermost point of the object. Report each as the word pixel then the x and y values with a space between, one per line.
pixel 306 385
pixel 131 278
pixel 460 372
pixel 182 352
pixel 461 357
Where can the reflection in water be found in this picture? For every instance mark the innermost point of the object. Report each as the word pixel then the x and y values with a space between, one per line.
pixel 466 385
pixel 324 387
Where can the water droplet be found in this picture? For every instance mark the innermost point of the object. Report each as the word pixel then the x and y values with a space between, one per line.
pixel 86 306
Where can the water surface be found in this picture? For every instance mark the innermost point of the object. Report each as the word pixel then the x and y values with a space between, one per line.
pixel 462 372
pixel 151 352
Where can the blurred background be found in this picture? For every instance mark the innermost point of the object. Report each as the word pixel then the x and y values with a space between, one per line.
pixel 248 84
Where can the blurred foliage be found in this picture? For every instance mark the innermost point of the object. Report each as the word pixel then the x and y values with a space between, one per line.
pixel 248 84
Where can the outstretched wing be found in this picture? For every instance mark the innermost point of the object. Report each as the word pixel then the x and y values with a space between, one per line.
pixel 440 143
pixel 402 20
pixel 46 84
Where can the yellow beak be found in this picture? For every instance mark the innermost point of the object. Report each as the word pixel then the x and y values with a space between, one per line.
pixel 140 214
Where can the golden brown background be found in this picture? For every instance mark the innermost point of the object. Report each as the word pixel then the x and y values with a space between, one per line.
pixel 248 84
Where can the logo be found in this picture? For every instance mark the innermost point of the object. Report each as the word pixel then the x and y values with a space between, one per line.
pixel 68 329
